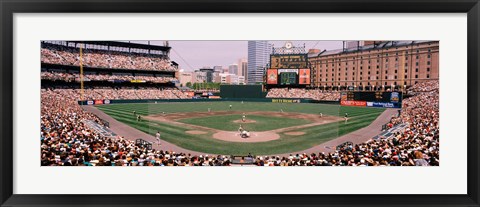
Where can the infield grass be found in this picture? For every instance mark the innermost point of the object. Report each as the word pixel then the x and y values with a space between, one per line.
pixel 262 123
pixel 359 118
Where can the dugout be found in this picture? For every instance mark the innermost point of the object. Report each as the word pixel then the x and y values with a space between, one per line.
pixel 242 91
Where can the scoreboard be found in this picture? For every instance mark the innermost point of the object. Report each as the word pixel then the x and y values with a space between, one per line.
pixel 288 70
pixel 372 99
pixel 291 61
pixel 288 76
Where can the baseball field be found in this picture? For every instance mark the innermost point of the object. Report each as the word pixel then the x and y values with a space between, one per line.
pixel 275 128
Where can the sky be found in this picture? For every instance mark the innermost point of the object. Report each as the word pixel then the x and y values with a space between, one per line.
pixel 192 55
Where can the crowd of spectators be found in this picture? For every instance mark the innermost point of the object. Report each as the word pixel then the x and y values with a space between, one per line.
pixel 146 93
pixel 66 141
pixel 57 76
pixel 62 55
pixel 315 94
pixel 125 93
pixel 62 129
pixel 425 86
pixel 69 77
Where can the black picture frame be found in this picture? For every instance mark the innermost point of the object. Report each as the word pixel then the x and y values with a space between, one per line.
pixel 10 7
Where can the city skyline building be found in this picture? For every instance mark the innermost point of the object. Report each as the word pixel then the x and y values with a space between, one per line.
pixel 258 58
pixel 218 68
pixel 376 65
pixel 233 69
pixel 243 67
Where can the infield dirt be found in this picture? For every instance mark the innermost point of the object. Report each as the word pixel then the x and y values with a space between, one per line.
pixel 234 136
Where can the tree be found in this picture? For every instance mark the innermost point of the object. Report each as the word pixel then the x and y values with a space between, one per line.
pixel 188 84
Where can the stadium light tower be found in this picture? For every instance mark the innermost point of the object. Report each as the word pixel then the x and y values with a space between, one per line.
pixel 81 71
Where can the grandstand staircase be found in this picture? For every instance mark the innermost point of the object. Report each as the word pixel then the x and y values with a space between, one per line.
pixel 103 131
pixel 389 133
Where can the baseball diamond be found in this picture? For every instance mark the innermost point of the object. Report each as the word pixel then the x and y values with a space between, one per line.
pixel 270 131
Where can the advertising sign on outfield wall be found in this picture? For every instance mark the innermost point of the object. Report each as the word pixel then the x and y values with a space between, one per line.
pixel 98 102
pixel 353 103
pixel 383 105
pixel 286 101
pixel 106 101
pixel 394 97
pixel 89 102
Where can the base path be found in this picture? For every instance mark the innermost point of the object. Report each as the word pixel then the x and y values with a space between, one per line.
pixel 131 133
pixel 234 136
pixel 356 137
pixel 359 136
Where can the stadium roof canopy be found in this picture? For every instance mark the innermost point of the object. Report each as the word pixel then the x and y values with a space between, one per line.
pixel 381 45
pixel 125 44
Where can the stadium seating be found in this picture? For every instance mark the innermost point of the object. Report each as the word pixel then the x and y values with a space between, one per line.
pixel 66 140
pixel 62 76
pixel 304 93
pixel 62 55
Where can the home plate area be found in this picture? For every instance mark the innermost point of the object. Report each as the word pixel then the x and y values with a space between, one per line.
pixel 234 136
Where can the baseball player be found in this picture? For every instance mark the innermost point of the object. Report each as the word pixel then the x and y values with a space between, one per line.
pixel 230 106
pixel 209 110
pixel 346 117
pixel 243 117
pixel 134 113
pixel 157 136
pixel 321 115
pixel 139 118
pixel 240 129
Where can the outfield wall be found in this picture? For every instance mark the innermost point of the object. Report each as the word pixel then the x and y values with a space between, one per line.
pixel 242 91
pixel 274 100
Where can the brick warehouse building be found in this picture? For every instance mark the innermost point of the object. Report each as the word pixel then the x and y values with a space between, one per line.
pixel 375 65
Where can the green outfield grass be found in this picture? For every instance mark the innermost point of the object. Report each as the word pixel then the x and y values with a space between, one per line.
pixel 359 118
pixel 263 123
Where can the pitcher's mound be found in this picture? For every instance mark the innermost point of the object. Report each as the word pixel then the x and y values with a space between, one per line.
pixel 248 121
pixel 295 133
pixel 195 132
pixel 254 136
